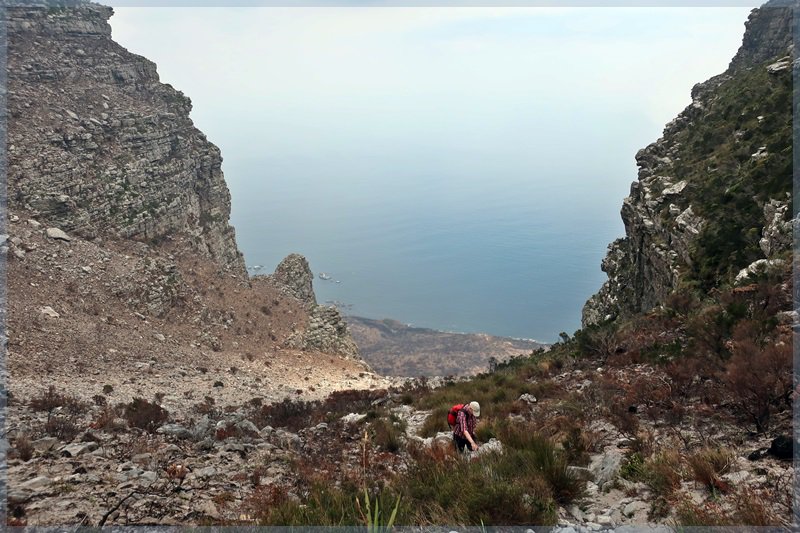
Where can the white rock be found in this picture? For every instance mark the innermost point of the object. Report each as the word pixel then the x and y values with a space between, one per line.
pixel 633 507
pixel 37 483
pixel 780 65
pixel 675 189
pixel 604 520
pixel 45 444
pixel 493 446
pixel 528 398
pixel 49 312
pixel 761 153
pixel 762 266
pixel 55 233
pixel 352 418
pixel 606 467
pixel 575 512
pixel 34 224
pixel 737 477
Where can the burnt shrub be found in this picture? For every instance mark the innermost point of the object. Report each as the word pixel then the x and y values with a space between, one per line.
pixel 289 414
pixel 23 449
pixel 709 330
pixel 109 419
pixel 760 380
pixel 52 399
pixel 343 402
pixel 61 427
pixel 145 415
pixel 681 302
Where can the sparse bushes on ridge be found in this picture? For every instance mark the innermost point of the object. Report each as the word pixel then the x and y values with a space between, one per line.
pixel 295 415
pixel 52 399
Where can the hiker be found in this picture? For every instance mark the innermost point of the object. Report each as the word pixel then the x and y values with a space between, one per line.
pixel 464 427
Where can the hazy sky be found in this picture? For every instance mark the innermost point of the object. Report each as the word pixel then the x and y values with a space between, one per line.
pixel 325 113
pixel 414 77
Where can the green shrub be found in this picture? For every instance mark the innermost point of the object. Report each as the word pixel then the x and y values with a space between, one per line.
pixel 436 422
pixel 387 433
pixel 633 467
pixel 662 473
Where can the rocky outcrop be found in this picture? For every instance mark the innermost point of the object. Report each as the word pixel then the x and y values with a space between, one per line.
pixel 768 33
pixel 713 161
pixel 98 146
pixel 326 332
pixel 294 277
pixel 777 233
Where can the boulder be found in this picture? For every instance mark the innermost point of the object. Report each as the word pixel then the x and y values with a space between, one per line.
pixel 36 484
pixel 206 472
pixel 175 430
pixel 45 444
pixel 247 428
pixel 605 468
pixel 352 418
pixel 493 446
pixel 782 447
pixel 634 507
pixel 55 233
pixel 528 398
pixel 78 448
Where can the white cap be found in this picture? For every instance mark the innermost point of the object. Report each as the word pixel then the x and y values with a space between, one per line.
pixel 476 408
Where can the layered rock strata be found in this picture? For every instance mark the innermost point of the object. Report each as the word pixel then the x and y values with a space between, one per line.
pixel 722 149
pixel 99 146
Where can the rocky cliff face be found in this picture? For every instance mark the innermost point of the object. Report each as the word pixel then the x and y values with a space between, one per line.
pixel 101 148
pixel 713 193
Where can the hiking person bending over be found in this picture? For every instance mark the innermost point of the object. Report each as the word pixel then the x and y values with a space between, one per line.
pixel 464 429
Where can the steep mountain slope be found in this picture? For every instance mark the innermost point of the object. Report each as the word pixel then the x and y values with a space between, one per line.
pixel 713 194
pixel 99 147
pixel 127 294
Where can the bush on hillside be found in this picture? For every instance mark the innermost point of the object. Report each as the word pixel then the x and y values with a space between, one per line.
pixel 145 415
pixel 760 380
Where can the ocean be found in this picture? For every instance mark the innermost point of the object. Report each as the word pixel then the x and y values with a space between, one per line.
pixel 436 245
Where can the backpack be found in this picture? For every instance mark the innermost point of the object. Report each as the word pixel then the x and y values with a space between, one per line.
pixel 453 413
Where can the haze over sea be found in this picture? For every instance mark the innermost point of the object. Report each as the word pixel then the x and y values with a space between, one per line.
pixel 461 168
